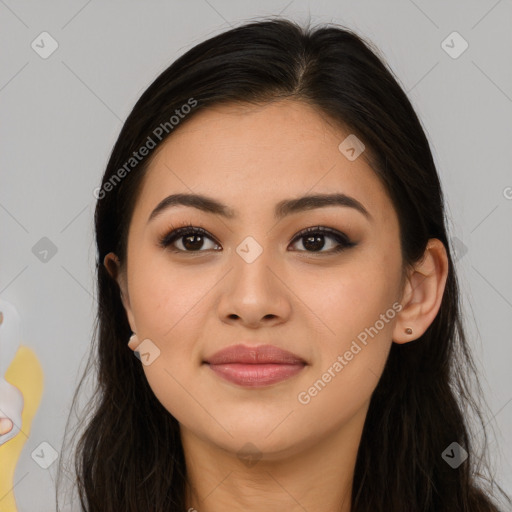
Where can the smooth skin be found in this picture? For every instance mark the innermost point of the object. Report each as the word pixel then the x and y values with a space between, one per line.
pixel 311 302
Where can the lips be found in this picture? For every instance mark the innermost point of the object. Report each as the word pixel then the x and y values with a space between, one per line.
pixel 258 366
pixel 254 355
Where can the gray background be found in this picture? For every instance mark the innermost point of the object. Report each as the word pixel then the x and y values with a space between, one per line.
pixel 61 116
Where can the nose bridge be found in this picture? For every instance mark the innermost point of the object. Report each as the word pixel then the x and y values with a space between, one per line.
pixel 254 293
pixel 251 262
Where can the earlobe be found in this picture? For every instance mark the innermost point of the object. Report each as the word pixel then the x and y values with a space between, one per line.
pixel 133 342
pixel 423 293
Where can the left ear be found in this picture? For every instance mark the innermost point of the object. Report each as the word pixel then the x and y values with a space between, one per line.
pixel 423 293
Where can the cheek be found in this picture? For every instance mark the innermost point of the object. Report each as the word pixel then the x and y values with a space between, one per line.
pixel 355 310
pixel 343 301
pixel 169 308
pixel 167 299
pixel 360 315
pixel 167 386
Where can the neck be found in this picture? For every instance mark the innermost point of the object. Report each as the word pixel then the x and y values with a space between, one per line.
pixel 317 477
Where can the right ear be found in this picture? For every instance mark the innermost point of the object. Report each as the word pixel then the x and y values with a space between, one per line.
pixel 113 266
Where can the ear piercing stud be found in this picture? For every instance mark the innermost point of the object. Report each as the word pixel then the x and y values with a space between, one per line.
pixel 133 340
pixel 408 330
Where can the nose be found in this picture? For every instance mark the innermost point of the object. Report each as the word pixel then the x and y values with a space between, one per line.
pixel 255 294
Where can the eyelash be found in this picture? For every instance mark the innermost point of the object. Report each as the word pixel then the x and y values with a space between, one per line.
pixel 176 233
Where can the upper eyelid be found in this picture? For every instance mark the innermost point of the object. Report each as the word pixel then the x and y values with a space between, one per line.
pixel 181 231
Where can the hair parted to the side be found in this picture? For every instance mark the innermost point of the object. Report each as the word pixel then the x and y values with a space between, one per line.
pixel 129 456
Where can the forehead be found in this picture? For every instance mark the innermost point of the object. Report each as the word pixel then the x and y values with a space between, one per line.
pixel 253 156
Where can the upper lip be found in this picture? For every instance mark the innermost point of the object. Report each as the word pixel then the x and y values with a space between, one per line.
pixel 260 354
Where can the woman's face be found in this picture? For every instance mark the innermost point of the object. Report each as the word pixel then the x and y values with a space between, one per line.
pixel 251 280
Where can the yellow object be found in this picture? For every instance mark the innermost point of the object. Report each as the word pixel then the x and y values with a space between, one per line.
pixel 25 372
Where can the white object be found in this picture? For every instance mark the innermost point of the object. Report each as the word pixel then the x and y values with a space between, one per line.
pixel 11 398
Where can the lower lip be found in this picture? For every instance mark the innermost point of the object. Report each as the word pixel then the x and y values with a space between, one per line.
pixel 256 375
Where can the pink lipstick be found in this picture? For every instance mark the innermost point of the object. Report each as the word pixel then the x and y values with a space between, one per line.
pixel 255 366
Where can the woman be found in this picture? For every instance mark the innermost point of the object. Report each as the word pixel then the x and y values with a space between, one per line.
pixel 272 248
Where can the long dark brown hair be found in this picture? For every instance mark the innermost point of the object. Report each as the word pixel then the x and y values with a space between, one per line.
pixel 129 456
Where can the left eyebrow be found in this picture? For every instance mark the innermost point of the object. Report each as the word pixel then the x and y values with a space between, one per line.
pixel 282 208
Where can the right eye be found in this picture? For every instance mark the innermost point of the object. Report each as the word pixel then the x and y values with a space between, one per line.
pixel 190 237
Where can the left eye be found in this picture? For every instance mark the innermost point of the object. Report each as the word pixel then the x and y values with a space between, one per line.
pixel 315 237
pixel 192 239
